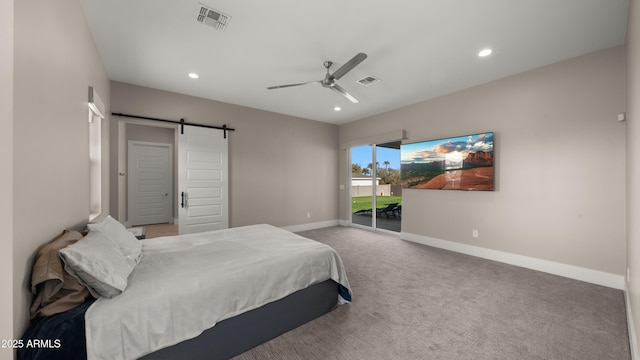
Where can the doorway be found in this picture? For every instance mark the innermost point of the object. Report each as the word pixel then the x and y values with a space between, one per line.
pixel 140 131
pixel 375 170
pixel 202 202
pixel 150 183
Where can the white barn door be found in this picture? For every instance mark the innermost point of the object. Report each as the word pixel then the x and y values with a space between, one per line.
pixel 203 185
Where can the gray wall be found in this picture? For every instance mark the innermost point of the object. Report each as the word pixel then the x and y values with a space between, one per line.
pixel 150 134
pixel 274 159
pixel 560 163
pixel 633 161
pixel 6 177
pixel 55 63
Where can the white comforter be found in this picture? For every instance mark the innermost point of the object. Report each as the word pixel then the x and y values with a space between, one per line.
pixel 186 284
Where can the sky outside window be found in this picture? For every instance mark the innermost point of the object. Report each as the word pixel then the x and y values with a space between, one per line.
pixel 361 155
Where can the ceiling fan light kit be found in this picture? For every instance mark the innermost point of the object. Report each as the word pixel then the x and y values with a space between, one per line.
pixel 329 80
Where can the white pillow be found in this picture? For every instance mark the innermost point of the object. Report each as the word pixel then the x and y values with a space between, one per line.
pixel 114 230
pixel 98 263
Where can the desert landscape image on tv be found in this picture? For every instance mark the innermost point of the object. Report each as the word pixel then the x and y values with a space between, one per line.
pixel 457 163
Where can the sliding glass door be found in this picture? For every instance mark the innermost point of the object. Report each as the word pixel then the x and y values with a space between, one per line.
pixel 375 170
pixel 362 188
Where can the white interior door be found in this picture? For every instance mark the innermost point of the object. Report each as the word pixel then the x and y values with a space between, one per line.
pixel 203 184
pixel 150 183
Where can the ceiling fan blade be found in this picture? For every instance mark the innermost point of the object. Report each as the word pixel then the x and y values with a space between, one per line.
pixel 337 88
pixel 349 65
pixel 290 85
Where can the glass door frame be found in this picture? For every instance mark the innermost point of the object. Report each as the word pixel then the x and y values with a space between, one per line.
pixel 374 172
pixel 373 188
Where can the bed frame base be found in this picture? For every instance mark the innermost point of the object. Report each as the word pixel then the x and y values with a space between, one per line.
pixel 238 334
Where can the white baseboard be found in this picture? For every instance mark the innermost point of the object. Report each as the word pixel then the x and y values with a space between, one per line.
pixel 573 272
pixel 633 343
pixel 312 226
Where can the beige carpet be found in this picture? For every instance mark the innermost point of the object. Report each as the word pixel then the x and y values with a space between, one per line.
pixel 416 302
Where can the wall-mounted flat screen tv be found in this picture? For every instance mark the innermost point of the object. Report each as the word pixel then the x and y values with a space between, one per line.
pixel 457 163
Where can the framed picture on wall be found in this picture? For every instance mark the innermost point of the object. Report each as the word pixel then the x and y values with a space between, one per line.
pixel 457 163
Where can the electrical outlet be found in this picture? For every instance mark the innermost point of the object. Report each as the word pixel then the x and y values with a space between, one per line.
pixel 475 233
pixel 308 215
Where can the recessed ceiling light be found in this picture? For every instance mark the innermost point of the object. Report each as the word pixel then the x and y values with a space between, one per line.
pixel 194 75
pixel 337 108
pixel 485 52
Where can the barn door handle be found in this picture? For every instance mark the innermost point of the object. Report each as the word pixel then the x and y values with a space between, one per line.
pixel 183 203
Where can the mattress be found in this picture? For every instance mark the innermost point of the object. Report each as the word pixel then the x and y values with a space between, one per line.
pixel 186 284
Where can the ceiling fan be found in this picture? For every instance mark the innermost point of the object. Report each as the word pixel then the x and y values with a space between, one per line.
pixel 329 80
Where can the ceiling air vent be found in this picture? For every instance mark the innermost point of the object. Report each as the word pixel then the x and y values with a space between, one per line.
pixel 213 18
pixel 368 80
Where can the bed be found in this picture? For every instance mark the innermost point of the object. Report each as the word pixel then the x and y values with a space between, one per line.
pixel 211 295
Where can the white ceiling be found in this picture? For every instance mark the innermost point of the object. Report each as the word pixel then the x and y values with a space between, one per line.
pixel 418 49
